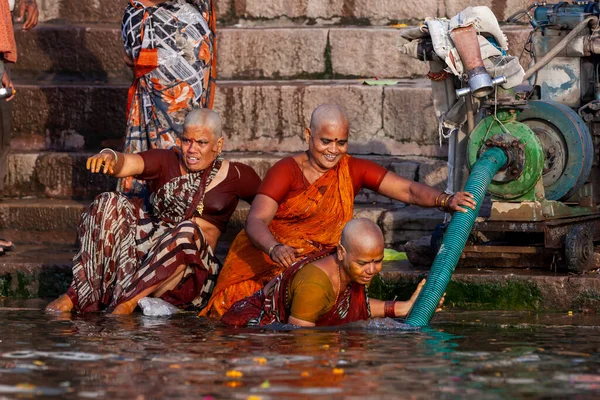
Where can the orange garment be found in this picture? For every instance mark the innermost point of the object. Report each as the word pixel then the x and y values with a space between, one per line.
pixel 311 221
pixel 8 46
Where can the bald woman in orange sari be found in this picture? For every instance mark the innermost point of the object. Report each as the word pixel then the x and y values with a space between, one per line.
pixel 303 204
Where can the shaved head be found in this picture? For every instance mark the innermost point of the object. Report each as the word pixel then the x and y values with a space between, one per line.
pixel 328 114
pixel 362 235
pixel 203 117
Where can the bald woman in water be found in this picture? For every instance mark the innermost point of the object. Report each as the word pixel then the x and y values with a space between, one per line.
pixel 326 290
pixel 304 202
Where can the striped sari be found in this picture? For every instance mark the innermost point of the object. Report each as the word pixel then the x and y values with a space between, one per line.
pixel 124 250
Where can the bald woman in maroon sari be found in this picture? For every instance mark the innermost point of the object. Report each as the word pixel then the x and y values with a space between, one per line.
pixel 325 290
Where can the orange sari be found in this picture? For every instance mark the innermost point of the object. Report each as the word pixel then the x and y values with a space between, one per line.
pixel 311 221
pixel 8 47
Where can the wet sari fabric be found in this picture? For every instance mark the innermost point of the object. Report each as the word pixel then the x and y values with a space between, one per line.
pixel 312 221
pixel 125 250
pixel 274 306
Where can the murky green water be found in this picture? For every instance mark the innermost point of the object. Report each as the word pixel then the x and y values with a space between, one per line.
pixel 463 355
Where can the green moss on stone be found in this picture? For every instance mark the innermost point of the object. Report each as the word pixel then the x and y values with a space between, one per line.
pixel 5 285
pixel 509 295
pixel 23 289
pixel 328 63
pixel 587 301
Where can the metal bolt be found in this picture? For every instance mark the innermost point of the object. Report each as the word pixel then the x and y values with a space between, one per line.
pixel 489 143
pixel 551 150
pixel 515 143
pixel 514 171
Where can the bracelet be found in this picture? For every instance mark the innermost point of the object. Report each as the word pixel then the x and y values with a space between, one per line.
pixel 437 198
pixel 389 310
pixel 114 153
pixel 447 204
pixel 444 202
pixel 273 248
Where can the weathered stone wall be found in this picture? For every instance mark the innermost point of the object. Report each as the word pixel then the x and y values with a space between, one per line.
pixel 373 12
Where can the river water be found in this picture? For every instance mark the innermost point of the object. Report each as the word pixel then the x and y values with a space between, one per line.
pixel 481 355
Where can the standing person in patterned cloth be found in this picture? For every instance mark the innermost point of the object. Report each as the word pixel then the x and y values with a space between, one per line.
pixel 28 14
pixel 171 47
pixel 327 289
pixel 127 253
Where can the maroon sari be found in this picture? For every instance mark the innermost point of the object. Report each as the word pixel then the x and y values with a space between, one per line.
pixel 262 309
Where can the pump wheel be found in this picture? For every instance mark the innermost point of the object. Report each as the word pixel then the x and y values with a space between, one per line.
pixel 579 249
pixel 567 145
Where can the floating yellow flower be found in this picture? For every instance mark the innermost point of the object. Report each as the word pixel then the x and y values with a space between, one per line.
pixel 234 374
pixel 260 360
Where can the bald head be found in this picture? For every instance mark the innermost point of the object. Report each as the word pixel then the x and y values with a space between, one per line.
pixel 362 235
pixel 327 115
pixel 203 117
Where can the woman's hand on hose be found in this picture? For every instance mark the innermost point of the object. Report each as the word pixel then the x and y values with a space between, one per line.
pixel 413 298
pixel 101 163
pixel 284 255
pixel 460 200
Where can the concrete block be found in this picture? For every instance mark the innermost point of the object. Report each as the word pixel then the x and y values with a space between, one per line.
pixel 257 115
pixel 54 175
pixel 94 52
pixel 371 52
pixel 82 11
pixel 272 116
pixel 405 169
pixel 409 117
pixel 434 173
pixel 70 116
pixel 376 11
pixel 409 223
pixel 271 53
pixel 502 9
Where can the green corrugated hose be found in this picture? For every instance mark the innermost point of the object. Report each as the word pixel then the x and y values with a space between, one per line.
pixel 455 239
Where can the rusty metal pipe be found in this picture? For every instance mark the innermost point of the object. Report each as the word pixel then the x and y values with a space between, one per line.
pixel 467 45
pixel 559 47
pixel 470 113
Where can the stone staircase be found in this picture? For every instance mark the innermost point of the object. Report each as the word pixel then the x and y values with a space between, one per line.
pixel 277 60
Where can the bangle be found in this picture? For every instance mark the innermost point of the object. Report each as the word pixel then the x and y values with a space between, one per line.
pixel 114 153
pixel 447 204
pixel 444 202
pixel 389 309
pixel 273 248
pixel 437 198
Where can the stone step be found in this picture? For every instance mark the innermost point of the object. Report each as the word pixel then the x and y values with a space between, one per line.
pixel 35 221
pixel 367 12
pixel 257 115
pixel 64 176
pixel 42 271
pixel 95 51
pixel 295 11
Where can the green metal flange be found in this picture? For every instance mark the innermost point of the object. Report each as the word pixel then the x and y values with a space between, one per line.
pixel 517 180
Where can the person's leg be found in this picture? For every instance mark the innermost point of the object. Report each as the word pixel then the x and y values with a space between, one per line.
pixel 61 305
pixel 155 291
pixel 107 255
